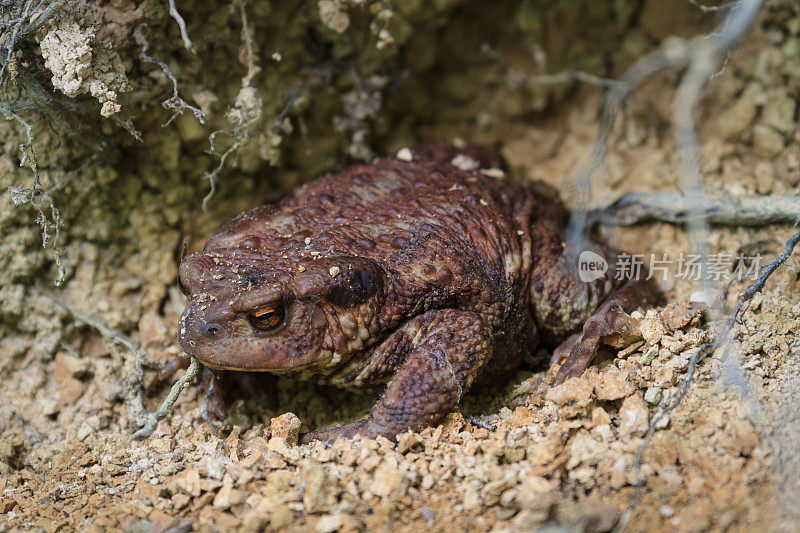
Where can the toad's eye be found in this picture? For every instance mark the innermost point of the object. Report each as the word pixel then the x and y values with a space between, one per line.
pixel 267 317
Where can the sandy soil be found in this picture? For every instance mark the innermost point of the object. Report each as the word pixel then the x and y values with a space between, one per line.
pixel 530 457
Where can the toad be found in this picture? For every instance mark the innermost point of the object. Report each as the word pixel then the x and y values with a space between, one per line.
pixel 425 275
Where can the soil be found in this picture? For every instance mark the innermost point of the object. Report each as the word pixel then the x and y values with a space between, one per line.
pixel 521 457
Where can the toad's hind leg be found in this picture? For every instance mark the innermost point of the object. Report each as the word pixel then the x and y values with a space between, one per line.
pixel 563 304
pixel 437 354
pixel 610 324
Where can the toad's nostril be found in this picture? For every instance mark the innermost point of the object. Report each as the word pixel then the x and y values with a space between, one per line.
pixel 211 331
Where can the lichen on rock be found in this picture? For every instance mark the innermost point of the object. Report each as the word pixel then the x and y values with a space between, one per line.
pixel 81 59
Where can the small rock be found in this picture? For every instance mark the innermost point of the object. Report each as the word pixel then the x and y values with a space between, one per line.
pixel 50 407
pixel 600 417
pixel 223 498
pixel 318 494
pixel 706 297
pixel 527 520
pixel 71 389
pixel 586 516
pixel 111 390
pixel 676 316
pixel 406 441
pixel 329 523
pixel 151 328
pixel 652 328
pixel 667 511
pixel 778 113
pixel 572 390
pixel 7 504
pixel 389 482
pixel 472 499
pixel 746 435
pixel 68 366
pixel 493 172
pixel 405 155
pixel 211 467
pixel 334 15
pixel 287 426
pixel 188 481
pixel 513 455
pixel 464 162
pixel 765 177
pixel 633 416
pixel 662 422
pixel 89 426
pixel 652 395
pixel 737 119
pixel 608 386
pixel 679 362
pixel 160 446
pixel 768 141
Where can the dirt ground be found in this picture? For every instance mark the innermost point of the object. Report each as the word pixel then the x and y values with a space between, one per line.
pixel 524 456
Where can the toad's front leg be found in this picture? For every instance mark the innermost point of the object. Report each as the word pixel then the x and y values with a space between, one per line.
pixel 435 358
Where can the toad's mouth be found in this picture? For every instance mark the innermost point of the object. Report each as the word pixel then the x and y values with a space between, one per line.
pixel 273 365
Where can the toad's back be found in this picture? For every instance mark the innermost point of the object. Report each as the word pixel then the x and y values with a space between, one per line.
pixel 447 237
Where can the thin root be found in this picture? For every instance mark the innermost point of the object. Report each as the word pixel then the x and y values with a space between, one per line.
pixel 172 397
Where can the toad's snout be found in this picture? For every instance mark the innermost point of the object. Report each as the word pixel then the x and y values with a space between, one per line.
pixel 196 330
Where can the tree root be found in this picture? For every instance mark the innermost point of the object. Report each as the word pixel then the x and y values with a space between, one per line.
pixel 133 383
pixel 172 397
pixel 676 208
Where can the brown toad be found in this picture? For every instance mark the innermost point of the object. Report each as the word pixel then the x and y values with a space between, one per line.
pixel 409 273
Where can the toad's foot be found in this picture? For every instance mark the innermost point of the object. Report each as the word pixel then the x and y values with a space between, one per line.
pixel 611 325
pixel 441 352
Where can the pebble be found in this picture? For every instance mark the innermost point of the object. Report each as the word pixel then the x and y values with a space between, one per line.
pixel 607 386
pixel 767 141
pixel 737 118
pixel 572 390
pixel 778 113
pixel 287 426
pixel 329 523
pixel 405 155
pixel 633 417
pixel 676 316
pixel 765 177
pixel 652 327
pixel 653 395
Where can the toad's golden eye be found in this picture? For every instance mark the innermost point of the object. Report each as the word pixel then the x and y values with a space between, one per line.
pixel 267 317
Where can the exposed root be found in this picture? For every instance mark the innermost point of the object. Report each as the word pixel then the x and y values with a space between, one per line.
pixel 699 354
pixel 702 58
pixel 134 395
pixel 177 104
pixel 172 397
pixel 245 113
pixel 574 75
pixel 675 207
pixel 758 286
pixel 174 13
